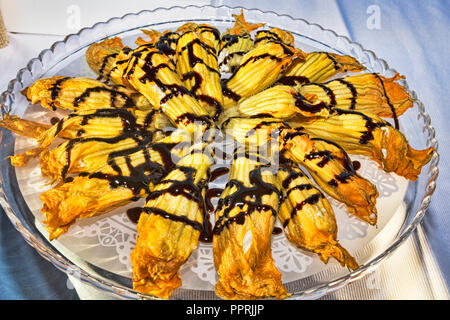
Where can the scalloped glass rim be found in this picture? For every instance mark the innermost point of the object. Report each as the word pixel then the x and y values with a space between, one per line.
pixel 71 43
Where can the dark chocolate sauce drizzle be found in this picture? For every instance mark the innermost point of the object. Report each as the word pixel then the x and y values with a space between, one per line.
pixel 272 37
pixel 107 76
pixel 194 60
pixel 250 196
pixel 134 214
pixel 345 161
pixel 276 231
pixel 229 57
pixel 329 93
pixel 128 120
pixel 209 29
pixel 183 219
pixel 356 165
pixel 189 190
pixel 54 120
pixel 291 177
pixel 312 199
pixel 230 39
pixel 103 66
pixel 54 91
pixel 268 35
pixel 293 80
pixel 211 193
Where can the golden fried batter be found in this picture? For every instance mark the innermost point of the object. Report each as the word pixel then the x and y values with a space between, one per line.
pixel 242 233
pixel 258 69
pixel 100 55
pixel 170 225
pixel 81 198
pixel 369 135
pixel 308 219
pixel 275 103
pixel 318 67
pixel 82 93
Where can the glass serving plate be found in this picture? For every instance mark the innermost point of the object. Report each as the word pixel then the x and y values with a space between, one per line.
pixel 96 250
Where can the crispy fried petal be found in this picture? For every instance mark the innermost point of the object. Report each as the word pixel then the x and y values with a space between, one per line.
pixel 100 55
pixel 366 92
pixel 196 64
pixel 26 128
pixel 126 176
pixel 274 34
pixel 232 48
pixel 308 218
pixel 258 69
pixel 331 168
